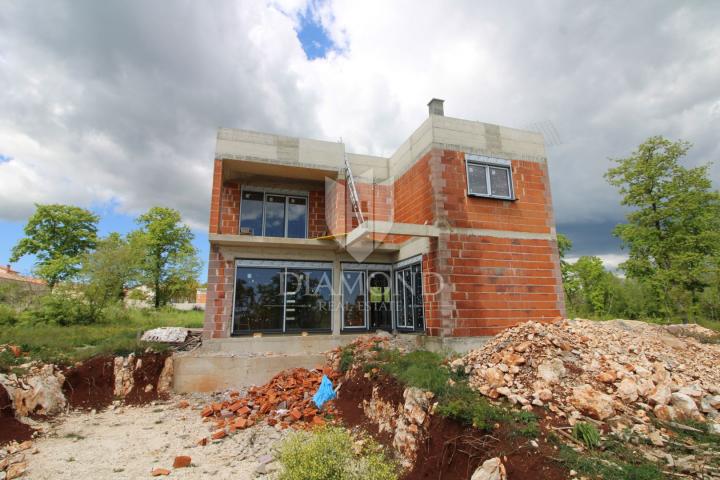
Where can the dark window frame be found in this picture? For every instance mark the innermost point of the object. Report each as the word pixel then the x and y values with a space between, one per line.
pixel 277 193
pixel 487 163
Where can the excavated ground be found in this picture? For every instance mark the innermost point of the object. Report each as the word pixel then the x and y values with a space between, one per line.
pixel 11 429
pixel 451 451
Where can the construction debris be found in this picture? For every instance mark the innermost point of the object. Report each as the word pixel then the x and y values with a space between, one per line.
pixel 621 373
pixel 180 338
pixel 284 402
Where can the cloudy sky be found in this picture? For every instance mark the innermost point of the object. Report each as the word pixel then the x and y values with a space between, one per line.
pixel 114 105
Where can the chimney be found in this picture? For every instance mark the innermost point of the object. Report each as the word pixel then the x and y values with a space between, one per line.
pixel 435 107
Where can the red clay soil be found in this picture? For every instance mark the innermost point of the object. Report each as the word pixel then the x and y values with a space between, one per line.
pixel 147 374
pixel 354 390
pixel 452 451
pixel 91 384
pixel 11 429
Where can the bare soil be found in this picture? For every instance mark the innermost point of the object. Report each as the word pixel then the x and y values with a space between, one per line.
pixel 90 385
pixel 11 429
pixel 452 450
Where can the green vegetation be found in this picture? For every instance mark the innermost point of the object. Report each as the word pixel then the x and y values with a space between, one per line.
pixel 58 236
pixel 587 434
pixel 65 345
pixel 331 453
pixel 672 236
pixel 616 462
pixel 347 356
pixel 427 370
pixel 168 262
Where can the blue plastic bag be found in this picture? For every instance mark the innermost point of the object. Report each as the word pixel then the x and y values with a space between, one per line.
pixel 324 393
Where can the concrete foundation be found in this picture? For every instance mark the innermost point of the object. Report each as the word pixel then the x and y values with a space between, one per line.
pixel 243 362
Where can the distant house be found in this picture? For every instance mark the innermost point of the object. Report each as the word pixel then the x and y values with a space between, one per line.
pixel 8 275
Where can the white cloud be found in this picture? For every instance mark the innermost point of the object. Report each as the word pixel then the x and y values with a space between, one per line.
pixel 105 100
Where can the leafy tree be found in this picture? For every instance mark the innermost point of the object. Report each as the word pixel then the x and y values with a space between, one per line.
pixel 168 259
pixel 111 268
pixel 673 231
pixel 593 282
pixel 59 236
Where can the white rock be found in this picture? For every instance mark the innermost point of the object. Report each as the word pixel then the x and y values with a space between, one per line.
pixel 492 469
pixel 685 407
pixel 552 370
pixel 628 390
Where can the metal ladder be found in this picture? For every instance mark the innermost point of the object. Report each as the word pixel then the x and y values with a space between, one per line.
pixel 354 199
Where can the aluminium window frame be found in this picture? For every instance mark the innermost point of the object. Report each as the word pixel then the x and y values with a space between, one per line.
pixel 489 162
pixel 285 265
pixel 278 192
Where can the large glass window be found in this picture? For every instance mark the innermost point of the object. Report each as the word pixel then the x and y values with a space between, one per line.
pixel 309 295
pixel 259 299
pixel 251 213
pixel 297 217
pixel 282 299
pixel 488 177
pixel 274 215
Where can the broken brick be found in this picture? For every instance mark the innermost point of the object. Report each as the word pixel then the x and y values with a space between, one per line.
pixel 182 461
pixel 183 404
pixel 160 471
pixel 218 435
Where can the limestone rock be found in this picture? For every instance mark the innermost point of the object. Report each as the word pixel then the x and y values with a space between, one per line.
pixel 686 407
pixel 492 469
pixel 40 392
pixel 164 384
pixel 592 403
pixel 552 370
pixel 628 390
pixel 494 377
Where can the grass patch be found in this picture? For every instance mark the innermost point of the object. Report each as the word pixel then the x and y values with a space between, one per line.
pixel 347 357
pixel 69 344
pixel 333 453
pixel 615 463
pixel 587 434
pixel 456 400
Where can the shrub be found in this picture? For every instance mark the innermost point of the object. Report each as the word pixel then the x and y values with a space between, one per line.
pixel 64 310
pixel 587 434
pixel 331 453
pixel 8 316
pixel 347 356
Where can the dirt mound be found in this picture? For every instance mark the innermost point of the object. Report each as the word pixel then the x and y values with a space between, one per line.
pixel 11 429
pixel 145 376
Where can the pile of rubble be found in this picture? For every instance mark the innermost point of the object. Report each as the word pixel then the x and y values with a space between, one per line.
pixel 601 370
pixel 13 463
pixel 284 402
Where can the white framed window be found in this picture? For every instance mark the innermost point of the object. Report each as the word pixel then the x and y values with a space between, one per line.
pixel 489 177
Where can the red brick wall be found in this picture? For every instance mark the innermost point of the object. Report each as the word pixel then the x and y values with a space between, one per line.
pixel 495 283
pixel 218 309
pixel 316 214
pixel 214 224
pixel 492 283
pixel 531 212
pixel 230 208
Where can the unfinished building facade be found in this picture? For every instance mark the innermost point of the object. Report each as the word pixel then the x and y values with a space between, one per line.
pixel 451 236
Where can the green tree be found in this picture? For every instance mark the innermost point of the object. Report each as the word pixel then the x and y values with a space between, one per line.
pixel 673 230
pixel 168 259
pixel 593 284
pixel 58 236
pixel 109 270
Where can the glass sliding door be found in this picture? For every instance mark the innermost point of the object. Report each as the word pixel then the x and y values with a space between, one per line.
pixel 379 301
pixel 276 296
pixel 308 299
pixel 354 295
pixel 409 308
pixel 259 300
